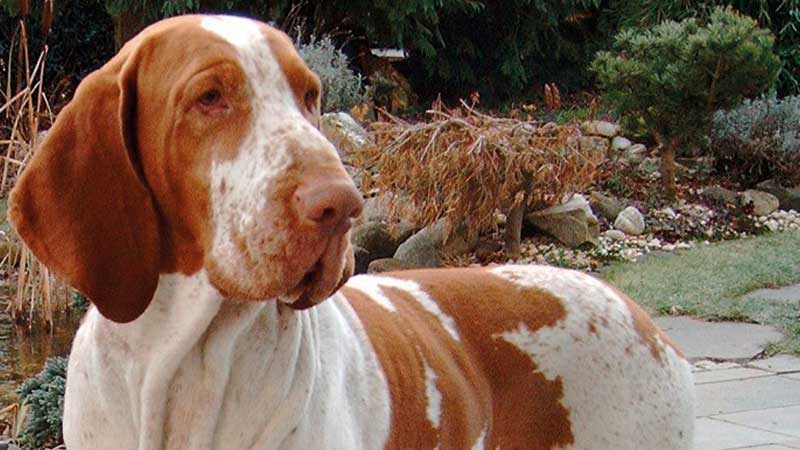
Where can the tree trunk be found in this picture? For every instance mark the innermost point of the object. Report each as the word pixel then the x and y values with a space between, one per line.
pixel 513 237
pixel 668 169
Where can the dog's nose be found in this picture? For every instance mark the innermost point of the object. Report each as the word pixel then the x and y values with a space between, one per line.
pixel 331 205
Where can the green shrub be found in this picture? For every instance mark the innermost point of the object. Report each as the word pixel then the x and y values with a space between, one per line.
pixel 341 87
pixel 44 394
pixel 781 17
pixel 758 140
pixel 673 77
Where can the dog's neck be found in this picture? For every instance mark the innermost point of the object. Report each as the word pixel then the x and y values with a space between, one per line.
pixel 190 345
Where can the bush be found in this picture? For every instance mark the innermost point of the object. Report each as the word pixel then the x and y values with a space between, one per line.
pixel 465 165
pixel 341 87
pixel 759 140
pixel 673 76
pixel 44 394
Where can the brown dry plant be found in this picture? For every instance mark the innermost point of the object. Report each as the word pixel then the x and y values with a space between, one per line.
pixel 466 165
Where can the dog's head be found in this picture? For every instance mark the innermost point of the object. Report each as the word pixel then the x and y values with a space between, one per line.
pixel 194 148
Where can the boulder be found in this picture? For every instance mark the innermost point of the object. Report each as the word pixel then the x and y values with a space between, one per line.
pixel 361 256
pixel 347 135
pixel 486 249
pixel 634 154
pixel 630 221
pixel 608 207
pixel 620 143
pixel 388 265
pixel 376 209
pixel 789 198
pixel 719 194
pixel 764 203
pixel 600 128
pixel 376 240
pixel 572 223
pixel 427 247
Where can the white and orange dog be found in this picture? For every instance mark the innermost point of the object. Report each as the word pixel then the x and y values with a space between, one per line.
pixel 187 191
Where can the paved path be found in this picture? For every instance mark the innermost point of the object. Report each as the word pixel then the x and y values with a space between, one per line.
pixel 742 403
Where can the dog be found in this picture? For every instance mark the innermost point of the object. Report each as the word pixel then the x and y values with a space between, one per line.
pixel 187 191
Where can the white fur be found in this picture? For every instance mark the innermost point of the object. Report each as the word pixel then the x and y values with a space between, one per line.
pixel 243 189
pixel 210 374
pixel 434 397
pixel 625 401
pixel 372 286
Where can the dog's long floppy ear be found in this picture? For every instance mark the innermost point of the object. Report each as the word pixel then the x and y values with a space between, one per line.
pixel 82 205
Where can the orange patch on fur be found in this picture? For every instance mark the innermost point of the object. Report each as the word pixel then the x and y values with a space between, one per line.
pixel 487 384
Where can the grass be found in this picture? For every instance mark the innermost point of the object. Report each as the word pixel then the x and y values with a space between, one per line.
pixel 708 282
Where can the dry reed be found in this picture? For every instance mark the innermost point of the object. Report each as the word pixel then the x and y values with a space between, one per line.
pixel 466 165
pixel 38 296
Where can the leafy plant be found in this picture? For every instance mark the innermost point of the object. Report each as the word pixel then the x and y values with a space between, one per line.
pixel 341 87
pixel 44 395
pixel 781 17
pixel 673 76
pixel 759 139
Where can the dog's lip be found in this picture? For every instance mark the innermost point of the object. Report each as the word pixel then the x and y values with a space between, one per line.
pixel 319 281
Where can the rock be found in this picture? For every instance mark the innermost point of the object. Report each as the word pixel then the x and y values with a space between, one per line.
pixel 594 145
pixel 620 143
pixel 789 198
pixel 630 221
pixel 361 256
pixel 572 223
pixel 388 265
pixel 608 207
pixel 650 166
pixel 764 203
pixel 427 246
pixel 375 238
pixel 634 154
pixel 376 209
pixel 600 128
pixel 486 248
pixel 719 194
pixel 347 135
pixel 615 235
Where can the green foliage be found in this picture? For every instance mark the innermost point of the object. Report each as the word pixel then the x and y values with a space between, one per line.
pixel 44 394
pixel 758 140
pixel 673 76
pixel 781 17
pixel 341 87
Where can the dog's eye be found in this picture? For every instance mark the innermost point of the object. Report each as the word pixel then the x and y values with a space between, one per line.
pixel 212 97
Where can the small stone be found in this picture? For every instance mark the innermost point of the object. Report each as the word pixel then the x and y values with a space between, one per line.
pixel 388 265
pixel 764 203
pixel 683 245
pixel 600 128
pixel 654 243
pixel 620 143
pixel 772 225
pixel 669 247
pixel 608 206
pixel 719 194
pixel 630 221
pixel 615 235
pixel 635 154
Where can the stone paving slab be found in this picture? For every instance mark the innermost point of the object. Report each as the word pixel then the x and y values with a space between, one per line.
pixel 717 340
pixel 784 294
pixel 739 373
pixel 779 420
pixel 778 363
pixel 712 434
pixel 746 395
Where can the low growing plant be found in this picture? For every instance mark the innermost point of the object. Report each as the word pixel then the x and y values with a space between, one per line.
pixel 44 395
pixel 342 88
pixel 759 139
pixel 672 77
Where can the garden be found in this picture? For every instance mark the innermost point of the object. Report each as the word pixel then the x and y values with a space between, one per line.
pixel 652 144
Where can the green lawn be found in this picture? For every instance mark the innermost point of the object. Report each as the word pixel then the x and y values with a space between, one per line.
pixel 707 282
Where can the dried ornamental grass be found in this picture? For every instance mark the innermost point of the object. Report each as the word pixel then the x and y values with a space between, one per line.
pixel 465 165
